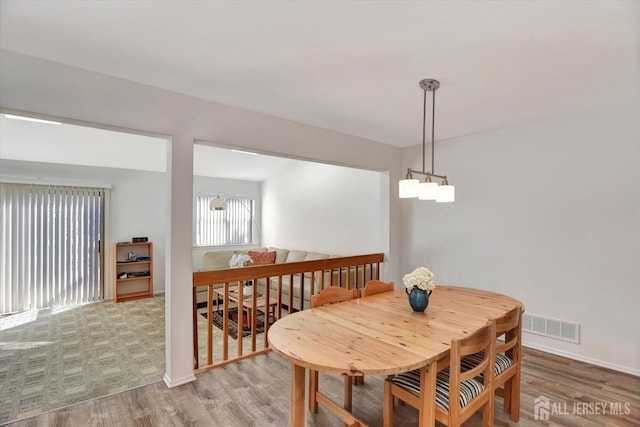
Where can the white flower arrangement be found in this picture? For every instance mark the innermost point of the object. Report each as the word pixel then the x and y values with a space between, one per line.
pixel 239 260
pixel 420 278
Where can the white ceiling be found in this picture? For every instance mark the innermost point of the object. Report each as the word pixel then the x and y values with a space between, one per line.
pixel 352 66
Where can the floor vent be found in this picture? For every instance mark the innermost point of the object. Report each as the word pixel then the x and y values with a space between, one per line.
pixel 553 328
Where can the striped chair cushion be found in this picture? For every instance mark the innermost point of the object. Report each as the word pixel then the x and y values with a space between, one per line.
pixel 469 389
pixel 473 360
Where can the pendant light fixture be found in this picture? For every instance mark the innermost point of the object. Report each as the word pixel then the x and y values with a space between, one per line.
pixel 427 190
pixel 218 204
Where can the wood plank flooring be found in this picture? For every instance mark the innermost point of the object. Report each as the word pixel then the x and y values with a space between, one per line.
pixel 255 392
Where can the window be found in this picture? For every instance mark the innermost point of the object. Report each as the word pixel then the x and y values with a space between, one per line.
pixel 232 226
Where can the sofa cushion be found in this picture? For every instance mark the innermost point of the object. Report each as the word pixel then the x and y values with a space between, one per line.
pixel 296 256
pixel 281 254
pixel 260 258
pixel 216 260
pixel 313 256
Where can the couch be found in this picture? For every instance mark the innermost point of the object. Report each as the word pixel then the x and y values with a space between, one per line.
pixel 218 260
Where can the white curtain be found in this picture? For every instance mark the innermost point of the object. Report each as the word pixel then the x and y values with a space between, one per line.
pixel 49 246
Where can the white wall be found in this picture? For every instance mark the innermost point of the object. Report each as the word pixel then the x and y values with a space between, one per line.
pixel 548 212
pixel 136 206
pixel 323 208
pixel 204 184
pixel 33 85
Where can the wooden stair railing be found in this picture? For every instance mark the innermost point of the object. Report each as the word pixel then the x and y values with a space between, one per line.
pixel 350 272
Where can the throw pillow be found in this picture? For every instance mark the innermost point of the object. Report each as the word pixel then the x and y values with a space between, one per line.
pixel 260 258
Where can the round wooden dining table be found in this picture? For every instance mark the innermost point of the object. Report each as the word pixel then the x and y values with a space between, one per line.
pixel 380 335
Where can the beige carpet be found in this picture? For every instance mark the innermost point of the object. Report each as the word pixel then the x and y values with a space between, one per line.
pixel 57 357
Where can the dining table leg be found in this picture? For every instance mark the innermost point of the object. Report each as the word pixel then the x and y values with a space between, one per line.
pixel 313 389
pixel 297 395
pixel 428 395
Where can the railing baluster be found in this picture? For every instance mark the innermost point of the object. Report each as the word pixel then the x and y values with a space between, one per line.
pixel 301 291
pixel 267 312
pixel 279 296
pixel 290 293
pixel 210 325
pixel 253 314
pixel 313 284
pixel 225 322
pixel 240 317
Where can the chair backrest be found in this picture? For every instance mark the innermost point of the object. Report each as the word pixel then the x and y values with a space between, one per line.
pixel 509 326
pixel 374 287
pixel 483 340
pixel 332 294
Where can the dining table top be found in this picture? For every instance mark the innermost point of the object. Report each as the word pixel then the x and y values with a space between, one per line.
pixel 381 334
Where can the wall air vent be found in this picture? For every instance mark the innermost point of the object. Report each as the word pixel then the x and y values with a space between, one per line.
pixel 552 328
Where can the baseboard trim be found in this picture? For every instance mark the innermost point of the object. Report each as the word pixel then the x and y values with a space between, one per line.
pixel 597 362
pixel 175 383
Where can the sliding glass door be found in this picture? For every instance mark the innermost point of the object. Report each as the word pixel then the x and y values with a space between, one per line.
pixel 50 239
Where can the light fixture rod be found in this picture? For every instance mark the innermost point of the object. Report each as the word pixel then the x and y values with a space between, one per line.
pixel 427 174
pixel 433 126
pixel 430 85
pixel 424 124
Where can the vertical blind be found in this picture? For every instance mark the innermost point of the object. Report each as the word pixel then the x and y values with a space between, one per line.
pixel 232 226
pixel 49 246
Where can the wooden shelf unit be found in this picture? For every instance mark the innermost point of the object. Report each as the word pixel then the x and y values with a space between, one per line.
pixel 133 286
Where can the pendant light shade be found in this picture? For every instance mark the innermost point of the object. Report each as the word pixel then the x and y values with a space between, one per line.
pixel 408 187
pixel 218 204
pixel 446 193
pixel 427 190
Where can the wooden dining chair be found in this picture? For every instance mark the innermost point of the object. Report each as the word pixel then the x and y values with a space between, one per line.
pixel 470 394
pixel 506 382
pixel 374 287
pixel 333 294
pixel 330 295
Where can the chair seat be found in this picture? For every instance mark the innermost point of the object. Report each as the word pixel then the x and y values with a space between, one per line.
pixel 469 389
pixel 473 360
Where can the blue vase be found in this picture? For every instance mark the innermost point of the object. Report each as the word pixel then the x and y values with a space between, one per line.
pixel 418 299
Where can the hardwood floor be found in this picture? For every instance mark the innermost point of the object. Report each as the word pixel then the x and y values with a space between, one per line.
pixel 255 392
